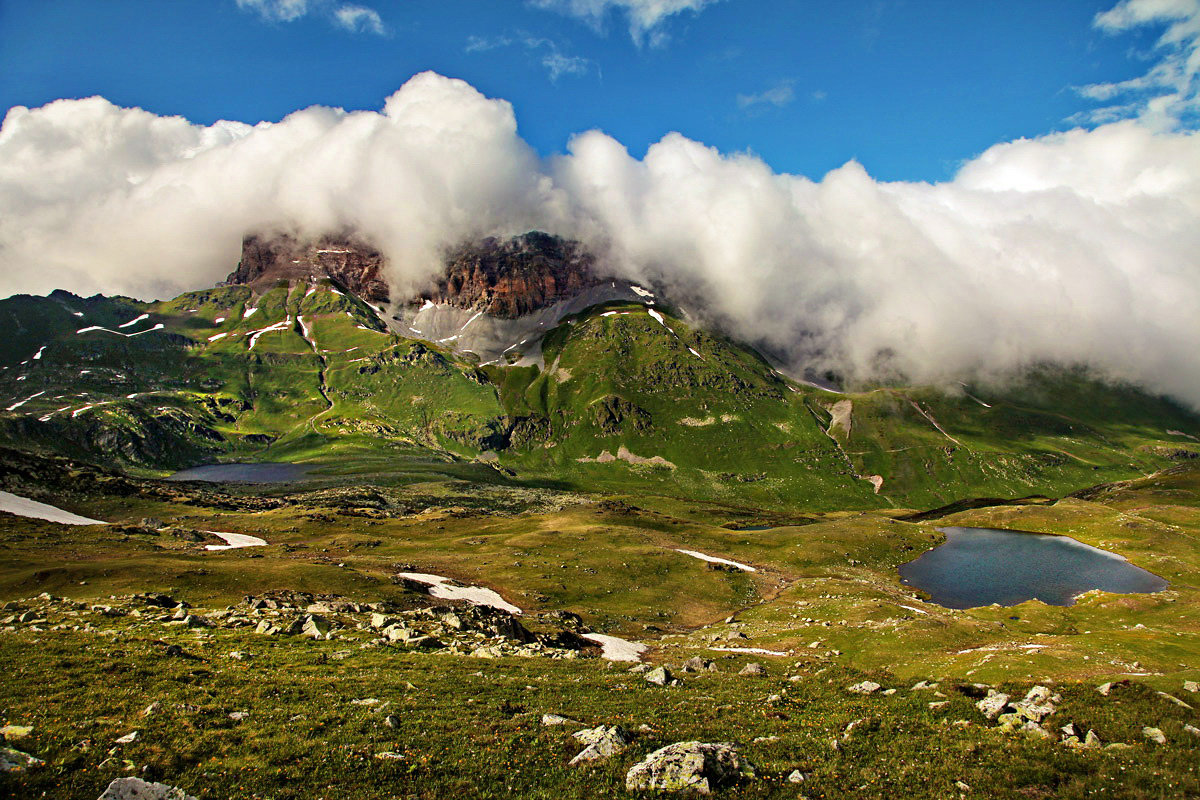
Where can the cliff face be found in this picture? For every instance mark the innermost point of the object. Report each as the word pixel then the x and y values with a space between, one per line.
pixel 513 277
pixel 267 260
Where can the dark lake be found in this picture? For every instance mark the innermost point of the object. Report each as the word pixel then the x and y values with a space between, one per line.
pixel 981 566
pixel 245 473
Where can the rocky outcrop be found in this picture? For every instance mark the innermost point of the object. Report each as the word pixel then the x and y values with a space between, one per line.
pixel 698 767
pixel 509 278
pixel 266 260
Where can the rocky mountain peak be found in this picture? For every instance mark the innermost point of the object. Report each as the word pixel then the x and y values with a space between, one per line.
pixel 509 278
pixel 266 260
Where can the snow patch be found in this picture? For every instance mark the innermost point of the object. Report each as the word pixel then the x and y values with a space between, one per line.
pixel 217 336
pixel 755 650
pixel 640 292
pixel 716 560
pixel 134 321
pixel 478 314
pixel 157 327
pixel 20 403
pixel 614 648
pixel 278 326
pixel 218 320
pixel 24 507
pixel 38 355
pixel 478 595
pixel 234 541
pixel 249 312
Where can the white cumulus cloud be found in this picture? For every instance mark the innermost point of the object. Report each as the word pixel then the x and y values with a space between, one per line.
pixel 1077 248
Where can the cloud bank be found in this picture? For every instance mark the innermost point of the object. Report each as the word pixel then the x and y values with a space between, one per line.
pixel 1078 247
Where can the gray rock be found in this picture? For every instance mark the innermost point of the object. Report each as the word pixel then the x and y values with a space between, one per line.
pixel 1191 686
pixel 796 776
pixel 865 687
pixel 697 664
pixel 1170 698
pixel 392 721
pixel 1192 729
pixel 1154 735
pixel 753 668
pixel 550 720
pixel 1037 704
pixel 659 676
pixel 1104 688
pixel 602 742
pixel 315 626
pixel 993 704
pixel 14 760
pixel 138 789
pixel 699 767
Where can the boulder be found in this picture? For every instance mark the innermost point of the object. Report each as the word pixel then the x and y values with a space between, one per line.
pixel 753 668
pixel 1154 735
pixel 1037 704
pixel 14 760
pixel 602 742
pixel 138 789
pixel 659 676
pixel 315 626
pixel 699 767
pixel 865 687
pixel 551 720
pixel 993 704
pixel 697 664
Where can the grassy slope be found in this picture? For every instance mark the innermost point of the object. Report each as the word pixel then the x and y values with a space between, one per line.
pixel 734 431
pixel 471 726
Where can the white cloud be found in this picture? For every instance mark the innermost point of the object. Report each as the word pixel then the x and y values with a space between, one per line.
pixel 276 10
pixel 548 53
pixel 348 16
pixel 779 95
pixel 645 16
pixel 1077 248
pixel 1169 93
pixel 359 19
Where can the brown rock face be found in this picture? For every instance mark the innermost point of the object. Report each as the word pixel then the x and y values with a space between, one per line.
pixel 513 277
pixel 267 260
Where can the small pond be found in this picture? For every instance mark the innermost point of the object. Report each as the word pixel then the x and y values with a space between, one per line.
pixel 980 566
pixel 246 473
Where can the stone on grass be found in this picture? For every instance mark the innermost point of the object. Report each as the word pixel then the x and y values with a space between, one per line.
pixel 138 789
pixel 1170 698
pixel 1192 729
pixel 659 676
pixel 698 664
pixel 15 761
pixel 1191 686
pixel 392 721
pixel 699 767
pixel 14 732
pixel 1154 735
pixel 865 687
pixel 1037 704
pixel 1104 688
pixel 128 738
pixel 795 776
pixel 993 704
pixel 753 668
pixel 550 720
pixel 602 742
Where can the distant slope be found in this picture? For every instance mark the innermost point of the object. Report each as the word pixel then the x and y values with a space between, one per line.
pixel 631 398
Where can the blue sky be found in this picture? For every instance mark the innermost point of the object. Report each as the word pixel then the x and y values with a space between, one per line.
pixel 909 89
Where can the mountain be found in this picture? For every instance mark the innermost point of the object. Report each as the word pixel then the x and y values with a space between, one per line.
pixel 524 364
pixel 269 259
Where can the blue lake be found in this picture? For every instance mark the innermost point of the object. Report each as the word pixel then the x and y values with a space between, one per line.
pixel 981 566
pixel 246 473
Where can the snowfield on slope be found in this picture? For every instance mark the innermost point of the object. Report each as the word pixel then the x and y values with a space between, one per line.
pixel 715 560
pixel 614 648
pixel 478 595
pixel 24 507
